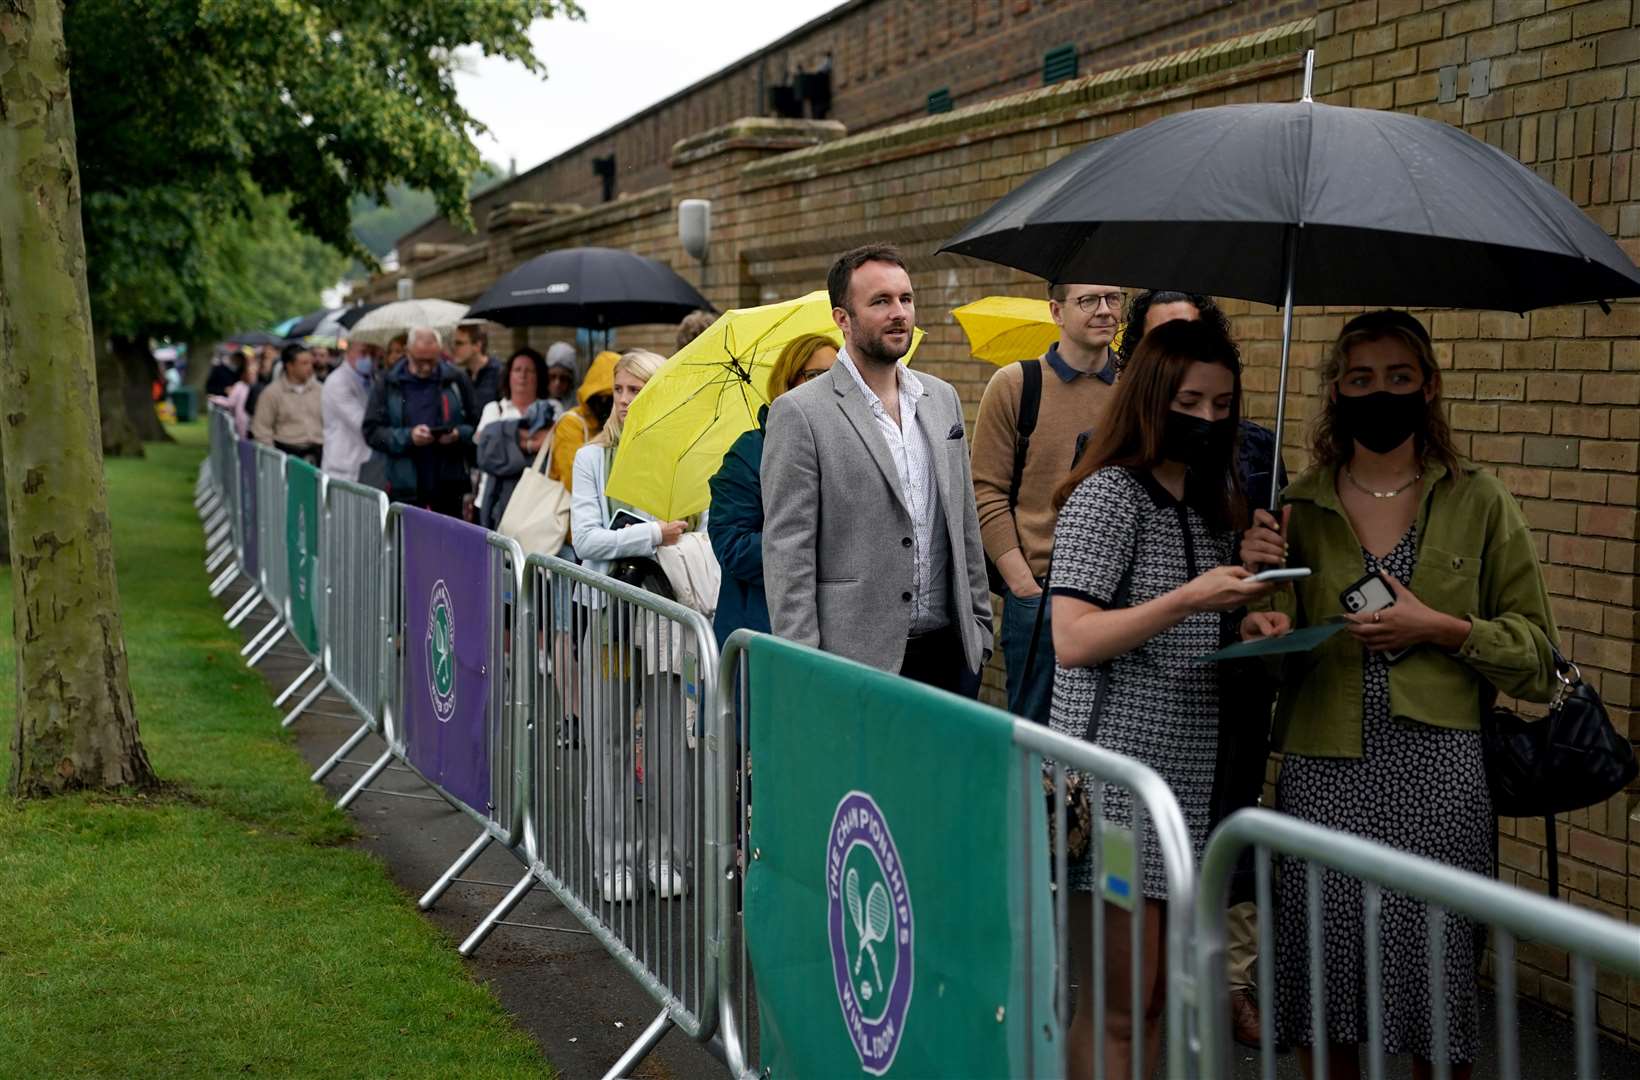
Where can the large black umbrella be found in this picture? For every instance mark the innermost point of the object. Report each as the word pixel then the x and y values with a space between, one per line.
pixel 309 324
pixel 591 287
pixel 255 337
pixel 1305 204
pixel 355 313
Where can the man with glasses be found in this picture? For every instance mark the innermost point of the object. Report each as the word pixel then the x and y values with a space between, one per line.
pixel 1024 443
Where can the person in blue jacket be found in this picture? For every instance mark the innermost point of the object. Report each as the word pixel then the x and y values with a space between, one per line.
pixel 735 524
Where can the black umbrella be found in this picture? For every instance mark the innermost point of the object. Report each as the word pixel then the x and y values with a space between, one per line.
pixel 255 337
pixel 592 287
pixel 308 324
pixel 1305 204
pixel 355 313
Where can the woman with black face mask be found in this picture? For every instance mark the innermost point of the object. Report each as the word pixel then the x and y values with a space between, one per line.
pixel 1381 725
pixel 1141 586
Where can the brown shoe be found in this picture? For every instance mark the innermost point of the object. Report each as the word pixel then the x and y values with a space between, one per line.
pixel 1244 1019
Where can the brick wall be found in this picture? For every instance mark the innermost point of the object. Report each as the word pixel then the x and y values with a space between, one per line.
pixel 1551 402
pixel 886 57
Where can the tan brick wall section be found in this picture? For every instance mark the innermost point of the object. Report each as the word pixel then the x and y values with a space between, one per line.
pixel 1551 401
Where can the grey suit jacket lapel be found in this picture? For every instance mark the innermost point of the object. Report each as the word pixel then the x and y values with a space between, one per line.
pixel 858 410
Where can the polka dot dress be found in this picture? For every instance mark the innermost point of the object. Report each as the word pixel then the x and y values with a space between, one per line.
pixel 1417 788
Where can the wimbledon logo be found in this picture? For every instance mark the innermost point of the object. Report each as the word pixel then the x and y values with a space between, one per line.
pixel 869 923
pixel 441 652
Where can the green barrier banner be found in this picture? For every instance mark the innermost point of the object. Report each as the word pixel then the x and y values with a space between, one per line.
pixel 897 906
pixel 302 549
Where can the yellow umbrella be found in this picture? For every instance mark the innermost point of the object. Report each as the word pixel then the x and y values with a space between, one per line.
pixel 703 399
pixel 1003 329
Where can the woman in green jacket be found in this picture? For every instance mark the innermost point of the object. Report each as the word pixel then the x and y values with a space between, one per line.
pixel 1380 725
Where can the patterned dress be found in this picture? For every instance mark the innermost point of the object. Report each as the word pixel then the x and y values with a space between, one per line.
pixel 1417 788
pixel 1122 540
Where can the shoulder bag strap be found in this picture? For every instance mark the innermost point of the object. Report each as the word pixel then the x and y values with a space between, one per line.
pixel 1030 404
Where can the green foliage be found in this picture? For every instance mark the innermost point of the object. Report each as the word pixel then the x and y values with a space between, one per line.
pixel 217 929
pixel 169 263
pixel 186 108
pixel 378 224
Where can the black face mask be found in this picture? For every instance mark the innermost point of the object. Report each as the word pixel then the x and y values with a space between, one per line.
pixel 1198 443
pixel 1381 421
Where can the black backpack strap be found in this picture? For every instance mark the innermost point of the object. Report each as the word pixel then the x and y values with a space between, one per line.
pixel 1030 404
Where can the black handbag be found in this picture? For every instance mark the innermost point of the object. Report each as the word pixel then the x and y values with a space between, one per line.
pixel 1570 759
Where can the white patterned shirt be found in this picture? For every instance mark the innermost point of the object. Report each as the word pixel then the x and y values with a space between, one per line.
pixel 913 455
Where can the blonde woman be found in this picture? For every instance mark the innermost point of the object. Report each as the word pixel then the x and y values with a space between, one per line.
pixel 737 496
pixel 606 530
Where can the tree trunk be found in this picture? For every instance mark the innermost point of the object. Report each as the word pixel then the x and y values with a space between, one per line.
pixel 199 368
pixel 141 371
pixel 120 437
pixel 76 727
pixel 5 524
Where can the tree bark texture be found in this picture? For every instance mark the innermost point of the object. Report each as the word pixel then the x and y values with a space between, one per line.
pixel 76 726
pixel 141 370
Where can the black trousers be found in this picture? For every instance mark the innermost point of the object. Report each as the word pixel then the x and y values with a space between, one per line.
pixel 937 659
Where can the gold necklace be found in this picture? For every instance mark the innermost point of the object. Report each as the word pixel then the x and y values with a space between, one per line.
pixel 1381 494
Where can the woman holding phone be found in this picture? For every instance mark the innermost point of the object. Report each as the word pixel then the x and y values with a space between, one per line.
pixel 606 530
pixel 1381 725
pixel 1140 589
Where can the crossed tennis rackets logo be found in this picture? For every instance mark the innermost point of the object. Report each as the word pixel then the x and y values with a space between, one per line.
pixel 865 880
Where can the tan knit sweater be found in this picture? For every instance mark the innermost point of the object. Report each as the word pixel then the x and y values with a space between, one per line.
pixel 290 414
pixel 1067 410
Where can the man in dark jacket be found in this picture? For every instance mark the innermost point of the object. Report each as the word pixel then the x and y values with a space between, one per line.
pixel 421 419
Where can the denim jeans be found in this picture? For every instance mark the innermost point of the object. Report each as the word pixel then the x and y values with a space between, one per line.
pixel 1031 697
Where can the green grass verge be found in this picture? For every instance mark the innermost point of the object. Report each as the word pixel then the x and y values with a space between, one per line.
pixel 219 928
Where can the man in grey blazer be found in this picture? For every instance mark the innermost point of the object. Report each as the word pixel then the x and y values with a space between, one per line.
pixel 871 545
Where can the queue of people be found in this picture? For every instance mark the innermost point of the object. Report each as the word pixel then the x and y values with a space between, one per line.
pixel 1115 500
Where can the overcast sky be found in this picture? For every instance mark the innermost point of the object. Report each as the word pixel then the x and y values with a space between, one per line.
pixel 626 55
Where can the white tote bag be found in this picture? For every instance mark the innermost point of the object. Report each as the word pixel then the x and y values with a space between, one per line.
pixel 537 515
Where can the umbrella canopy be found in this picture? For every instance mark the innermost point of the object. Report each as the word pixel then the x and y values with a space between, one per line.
pixel 401 316
pixel 310 323
pixel 704 398
pixel 255 337
pixel 280 327
pixel 591 287
pixel 350 316
pixel 1003 329
pixel 1379 208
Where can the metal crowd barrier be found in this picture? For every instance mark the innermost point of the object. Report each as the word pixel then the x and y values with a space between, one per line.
pixel 1591 939
pixel 622 682
pixel 1156 823
pixel 273 572
pixel 247 534
pixel 449 708
pixel 352 623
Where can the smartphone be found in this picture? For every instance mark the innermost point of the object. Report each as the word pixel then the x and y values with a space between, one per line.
pixel 1371 593
pixel 440 432
pixel 1281 573
pixel 625 519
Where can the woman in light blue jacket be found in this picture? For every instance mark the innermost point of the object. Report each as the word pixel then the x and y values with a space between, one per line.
pixel 609 698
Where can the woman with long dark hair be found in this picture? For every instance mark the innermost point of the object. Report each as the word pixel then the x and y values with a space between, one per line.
pixel 1381 724
pixel 1140 581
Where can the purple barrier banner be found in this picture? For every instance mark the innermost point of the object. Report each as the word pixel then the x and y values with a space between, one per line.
pixel 247 504
pixel 447 603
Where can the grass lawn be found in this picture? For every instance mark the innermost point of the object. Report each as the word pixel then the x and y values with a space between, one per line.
pixel 220 928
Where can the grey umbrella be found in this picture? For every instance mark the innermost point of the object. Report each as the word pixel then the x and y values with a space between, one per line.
pixel 1305 204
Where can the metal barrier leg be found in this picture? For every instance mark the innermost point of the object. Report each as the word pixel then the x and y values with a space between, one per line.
pixel 260 636
pixel 244 613
pixel 639 1050
pixel 457 868
pixel 284 695
pixel 342 751
pixel 501 911
pixel 267 646
pixel 218 557
pixel 246 601
pixel 302 706
pixel 223 580
pixel 366 780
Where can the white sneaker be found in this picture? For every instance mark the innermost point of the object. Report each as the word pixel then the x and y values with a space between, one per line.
pixel 666 881
pixel 618 886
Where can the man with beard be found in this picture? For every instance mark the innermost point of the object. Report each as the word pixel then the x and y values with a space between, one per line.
pixel 871 545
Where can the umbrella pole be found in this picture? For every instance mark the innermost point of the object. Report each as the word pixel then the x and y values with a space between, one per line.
pixel 1290 266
